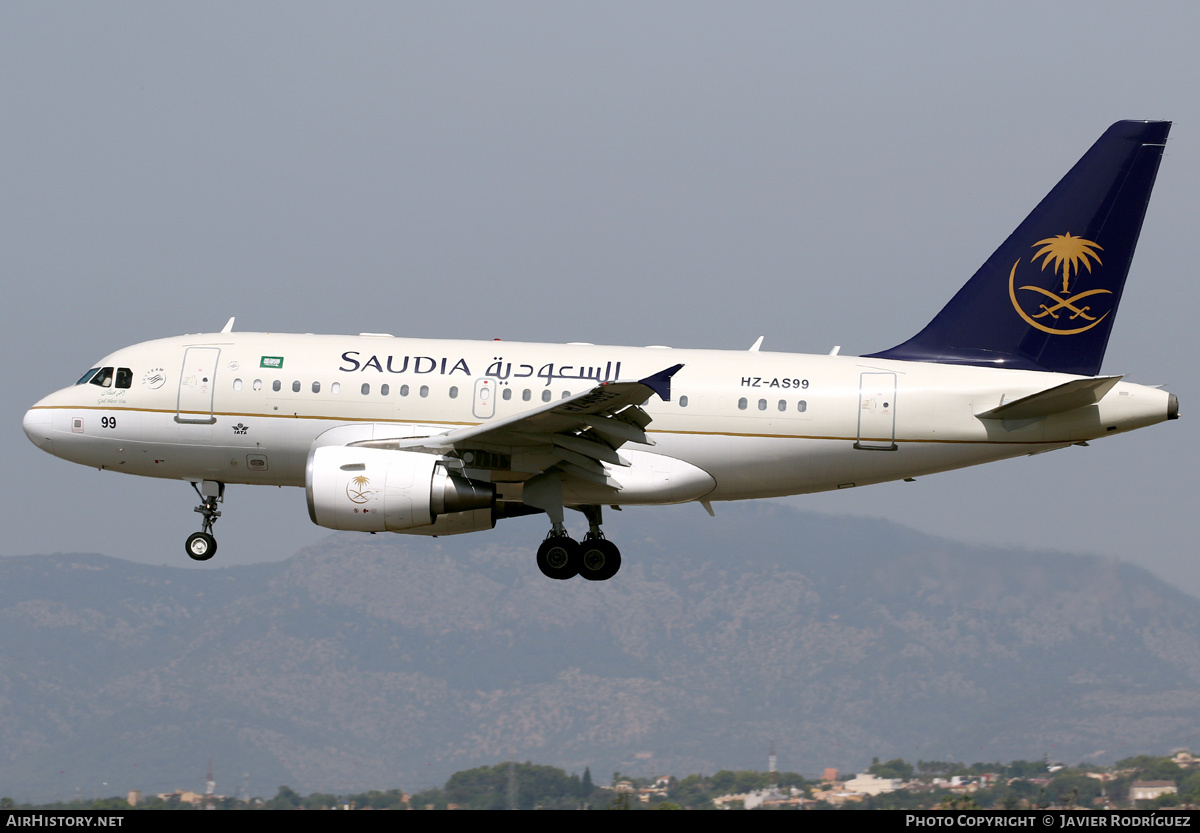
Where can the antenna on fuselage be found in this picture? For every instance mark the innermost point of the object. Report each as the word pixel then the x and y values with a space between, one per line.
pixel 754 347
pixel 228 328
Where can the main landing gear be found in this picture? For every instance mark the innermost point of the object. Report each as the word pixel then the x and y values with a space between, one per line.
pixel 596 558
pixel 201 545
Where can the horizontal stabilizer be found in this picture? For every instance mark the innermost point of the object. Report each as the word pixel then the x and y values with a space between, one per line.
pixel 1077 393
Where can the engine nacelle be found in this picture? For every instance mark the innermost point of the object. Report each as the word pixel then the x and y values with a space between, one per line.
pixel 382 490
pixel 458 523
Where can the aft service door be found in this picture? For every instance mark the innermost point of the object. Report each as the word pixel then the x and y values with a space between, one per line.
pixel 877 412
pixel 196 381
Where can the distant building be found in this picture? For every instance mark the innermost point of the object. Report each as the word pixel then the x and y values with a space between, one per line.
pixel 1150 790
pixel 1184 758
pixel 753 799
pixel 869 784
pixel 831 774
pixel 184 796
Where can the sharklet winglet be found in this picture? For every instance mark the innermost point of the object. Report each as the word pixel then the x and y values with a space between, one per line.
pixel 660 382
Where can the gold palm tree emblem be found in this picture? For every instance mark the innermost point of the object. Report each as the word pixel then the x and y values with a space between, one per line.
pixel 358 495
pixel 1067 251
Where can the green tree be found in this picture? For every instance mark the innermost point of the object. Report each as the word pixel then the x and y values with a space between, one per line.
pixel 895 768
pixel 1074 788
pixel 486 788
pixel 959 802
pixel 285 799
pixel 1152 768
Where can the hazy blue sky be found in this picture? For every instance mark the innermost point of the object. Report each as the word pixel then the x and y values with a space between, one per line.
pixel 692 174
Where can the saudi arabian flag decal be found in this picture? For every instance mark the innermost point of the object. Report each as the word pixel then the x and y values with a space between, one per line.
pixel 275 362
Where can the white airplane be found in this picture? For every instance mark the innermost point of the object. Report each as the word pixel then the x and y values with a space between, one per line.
pixel 445 437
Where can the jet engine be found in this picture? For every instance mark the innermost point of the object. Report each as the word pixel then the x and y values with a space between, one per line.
pixel 382 490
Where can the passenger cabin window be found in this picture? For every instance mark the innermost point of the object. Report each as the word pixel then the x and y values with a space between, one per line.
pixel 762 404
pixel 124 377
pixel 258 384
pixel 801 406
pixel 316 387
pixel 424 390
pixel 296 386
pixel 404 390
pixel 525 394
pixel 683 401
pixel 507 394
pixel 276 385
pixel 545 396
pixel 742 403
pixel 453 392
pixel 237 384
pixel 366 388
pixel 336 387
pixel 783 404
pixel 384 390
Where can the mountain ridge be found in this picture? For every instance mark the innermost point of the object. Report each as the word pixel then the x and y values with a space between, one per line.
pixel 382 661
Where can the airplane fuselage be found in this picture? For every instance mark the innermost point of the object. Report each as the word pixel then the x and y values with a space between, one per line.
pixel 248 408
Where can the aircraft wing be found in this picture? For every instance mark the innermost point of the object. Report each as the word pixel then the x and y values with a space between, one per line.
pixel 577 433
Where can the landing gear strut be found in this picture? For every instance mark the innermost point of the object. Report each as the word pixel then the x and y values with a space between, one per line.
pixel 599 558
pixel 201 545
pixel 596 559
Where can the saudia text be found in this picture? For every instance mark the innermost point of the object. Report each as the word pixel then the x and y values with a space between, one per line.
pixel 353 361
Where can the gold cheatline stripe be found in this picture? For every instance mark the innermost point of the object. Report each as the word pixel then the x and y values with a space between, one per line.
pixel 468 424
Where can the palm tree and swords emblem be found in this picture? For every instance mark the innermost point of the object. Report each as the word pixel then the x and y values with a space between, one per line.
pixel 357 489
pixel 1067 253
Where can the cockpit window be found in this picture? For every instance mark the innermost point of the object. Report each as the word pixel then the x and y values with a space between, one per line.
pixel 83 380
pixel 124 377
pixel 103 377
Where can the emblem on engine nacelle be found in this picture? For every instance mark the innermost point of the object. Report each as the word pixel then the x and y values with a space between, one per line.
pixel 357 489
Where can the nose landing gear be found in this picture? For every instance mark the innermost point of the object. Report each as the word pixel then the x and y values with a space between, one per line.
pixel 201 545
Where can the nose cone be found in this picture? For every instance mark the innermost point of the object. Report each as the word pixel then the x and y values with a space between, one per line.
pixel 37 427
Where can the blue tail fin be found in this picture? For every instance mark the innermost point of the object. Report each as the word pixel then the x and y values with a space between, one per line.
pixel 1046 299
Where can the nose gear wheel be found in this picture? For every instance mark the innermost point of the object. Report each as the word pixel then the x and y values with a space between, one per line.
pixel 201 546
